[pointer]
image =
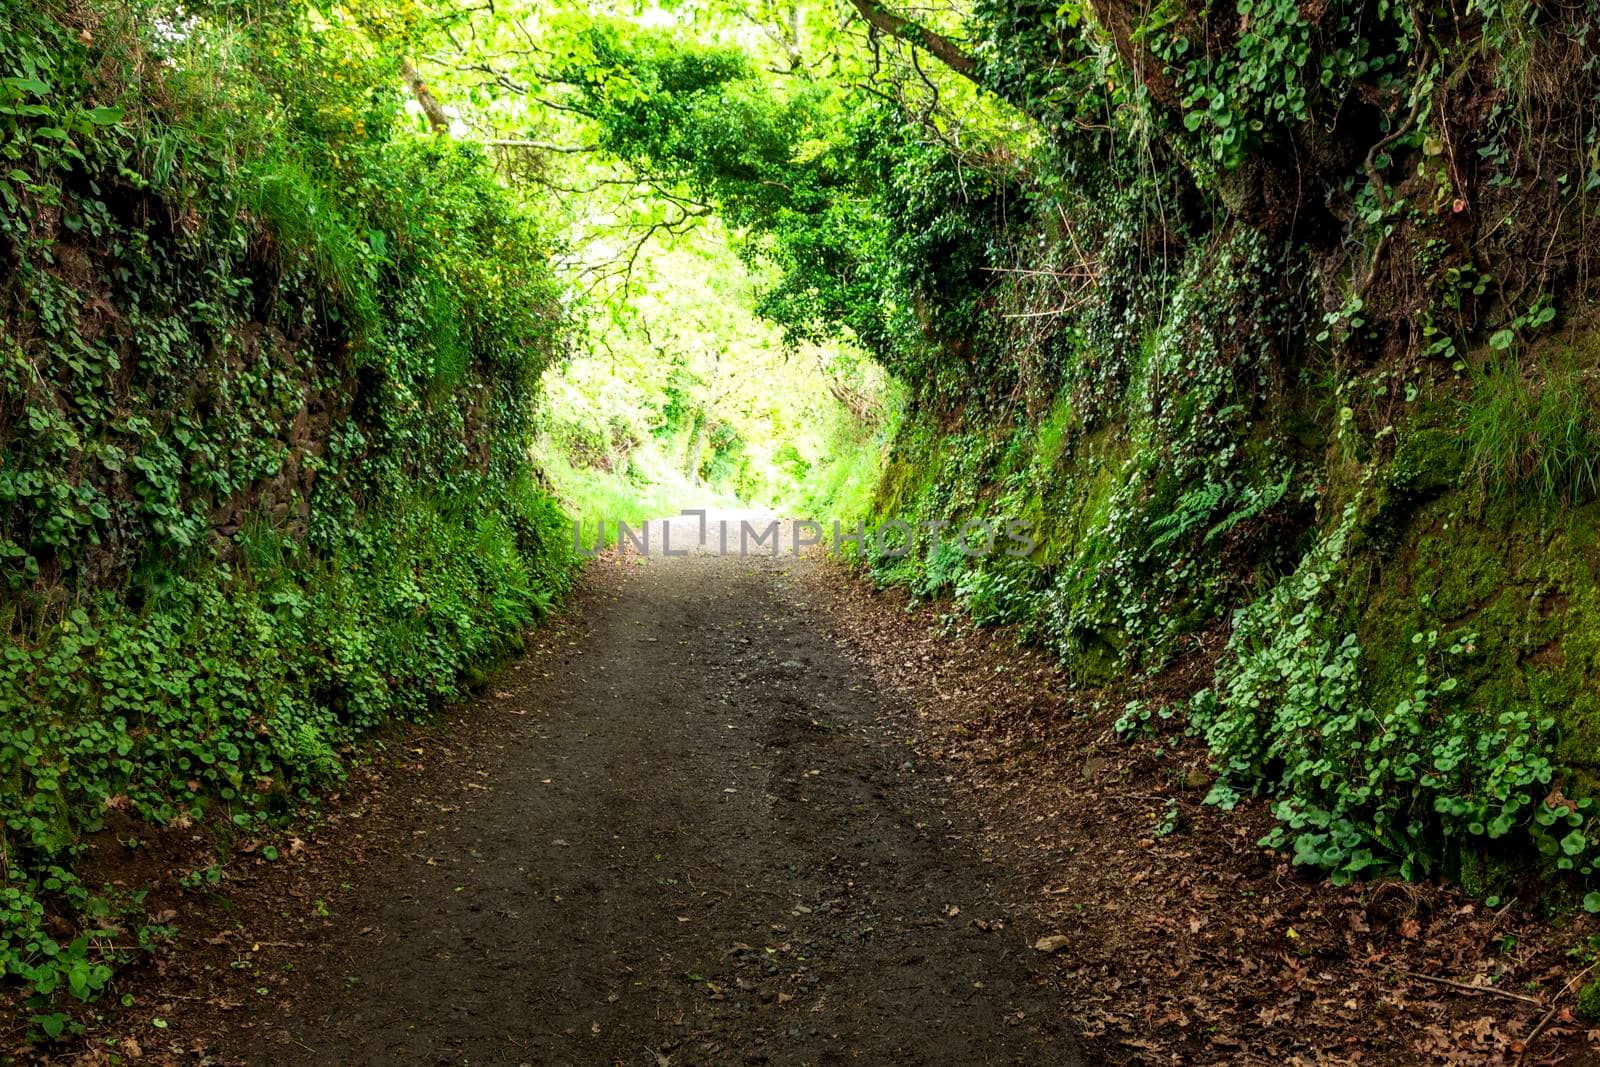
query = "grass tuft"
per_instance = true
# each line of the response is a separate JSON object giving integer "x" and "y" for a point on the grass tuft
{"x": 1535, "y": 435}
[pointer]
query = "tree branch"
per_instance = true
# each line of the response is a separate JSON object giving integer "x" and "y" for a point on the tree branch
{"x": 430, "y": 103}
{"x": 543, "y": 146}
{"x": 865, "y": 409}
{"x": 939, "y": 46}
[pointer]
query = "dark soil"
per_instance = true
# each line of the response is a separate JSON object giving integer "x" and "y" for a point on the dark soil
{"x": 1186, "y": 942}
{"x": 681, "y": 830}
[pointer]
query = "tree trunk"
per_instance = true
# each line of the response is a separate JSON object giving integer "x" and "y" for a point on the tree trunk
{"x": 691, "y": 461}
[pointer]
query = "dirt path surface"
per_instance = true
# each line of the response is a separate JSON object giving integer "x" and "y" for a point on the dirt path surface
{"x": 734, "y": 811}
{"x": 697, "y": 842}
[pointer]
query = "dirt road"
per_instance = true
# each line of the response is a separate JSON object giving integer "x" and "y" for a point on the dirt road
{"x": 731, "y": 811}
{"x": 696, "y": 842}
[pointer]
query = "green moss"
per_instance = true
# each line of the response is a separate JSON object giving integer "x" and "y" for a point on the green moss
{"x": 1051, "y": 437}
{"x": 1589, "y": 1002}
{"x": 1428, "y": 461}
{"x": 1482, "y": 874}
{"x": 1526, "y": 586}
{"x": 898, "y": 483}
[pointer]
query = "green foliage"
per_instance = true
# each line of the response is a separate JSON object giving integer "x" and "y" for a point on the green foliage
{"x": 775, "y": 162}
{"x": 1540, "y": 434}
{"x": 682, "y": 372}
{"x": 844, "y": 480}
{"x": 1367, "y": 789}
{"x": 1153, "y": 567}
{"x": 702, "y": 114}
{"x": 1244, "y": 89}
{"x": 1000, "y": 592}
{"x": 266, "y": 380}
{"x": 243, "y": 690}
{"x": 1138, "y": 719}
{"x": 1166, "y": 522}
{"x": 851, "y": 208}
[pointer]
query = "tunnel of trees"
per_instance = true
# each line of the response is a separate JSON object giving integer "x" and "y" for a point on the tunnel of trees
{"x": 1275, "y": 318}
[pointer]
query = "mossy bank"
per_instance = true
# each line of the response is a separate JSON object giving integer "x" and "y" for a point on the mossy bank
{"x": 1343, "y": 420}
{"x": 267, "y": 372}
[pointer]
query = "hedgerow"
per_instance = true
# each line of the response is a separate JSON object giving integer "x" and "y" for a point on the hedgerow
{"x": 1268, "y": 254}
{"x": 267, "y": 369}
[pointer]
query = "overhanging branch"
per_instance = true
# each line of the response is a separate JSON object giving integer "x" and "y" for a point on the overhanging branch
{"x": 939, "y": 46}
{"x": 437, "y": 119}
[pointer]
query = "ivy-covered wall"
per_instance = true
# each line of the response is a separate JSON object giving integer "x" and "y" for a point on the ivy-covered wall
{"x": 1288, "y": 338}
{"x": 268, "y": 358}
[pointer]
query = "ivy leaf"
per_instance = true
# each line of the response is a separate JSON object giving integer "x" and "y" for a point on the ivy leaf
{"x": 29, "y": 85}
